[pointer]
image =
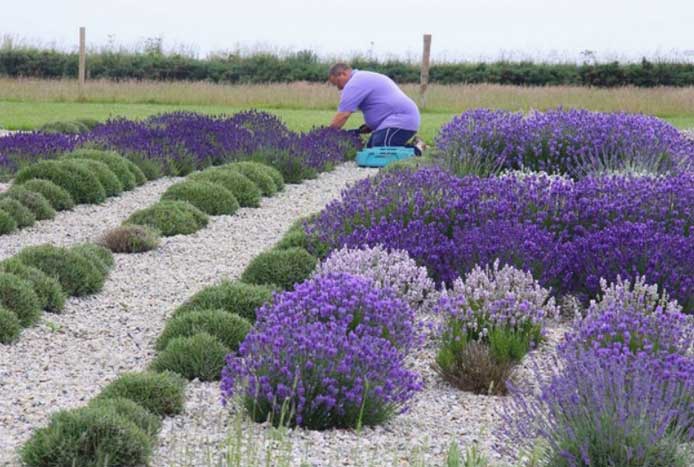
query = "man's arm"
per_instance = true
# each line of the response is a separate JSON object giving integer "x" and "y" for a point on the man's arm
{"x": 340, "y": 119}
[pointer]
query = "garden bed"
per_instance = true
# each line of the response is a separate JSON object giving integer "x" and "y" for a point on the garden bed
{"x": 65, "y": 360}
{"x": 473, "y": 306}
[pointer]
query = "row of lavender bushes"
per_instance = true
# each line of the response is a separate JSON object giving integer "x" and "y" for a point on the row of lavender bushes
{"x": 503, "y": 249}
{"x": 576, "y": 143}
{"x": 180, "y": 142}
{"x": 330, "y": 353}
{"x": 567, "y": 233}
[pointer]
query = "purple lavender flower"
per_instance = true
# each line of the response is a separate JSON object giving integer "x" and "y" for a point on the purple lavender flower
{"x": 606, "y": 406}
{"x": 388, "y": 269}
{"x": 572, "y": 142}
{"x": 638, "y": 318}
{"x": 328, "y": 354}
{"x": 21, "y": 149}
{"x": 567, "y": 234}
{"x": 183, "y": 141}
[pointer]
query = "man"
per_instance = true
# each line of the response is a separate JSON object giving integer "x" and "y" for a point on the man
{"x": 388, "y": 112}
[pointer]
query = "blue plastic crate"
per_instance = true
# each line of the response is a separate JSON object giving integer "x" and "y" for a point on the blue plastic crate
{"x": 383, "y": 155}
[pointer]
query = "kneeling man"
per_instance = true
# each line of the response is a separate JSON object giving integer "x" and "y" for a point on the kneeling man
{"x": 388, "y": 112}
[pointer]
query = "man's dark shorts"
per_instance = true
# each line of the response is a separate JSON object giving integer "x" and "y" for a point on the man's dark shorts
{"x": 392, "y": 137}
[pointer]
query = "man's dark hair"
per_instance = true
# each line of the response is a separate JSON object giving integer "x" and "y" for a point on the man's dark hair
{"x": 338, "y": 68}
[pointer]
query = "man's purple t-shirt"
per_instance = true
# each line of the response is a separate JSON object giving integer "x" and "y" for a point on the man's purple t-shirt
{"x": 381, "y": 101}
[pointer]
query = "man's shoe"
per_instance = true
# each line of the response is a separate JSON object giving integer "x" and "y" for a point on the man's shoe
{"x": 420, "y": 144}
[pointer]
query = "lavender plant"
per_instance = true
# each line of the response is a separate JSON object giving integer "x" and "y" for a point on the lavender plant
{"x": 387, "y": 269}
{"x": 606, "y": 406}
{"x": 177, "y": 143}
{"x": 503, "y": 309}
{"x": 636, "y": 316}
{"x": 621, "y": 393}
{"x": 573, "y": 142}
{"x": 567, "y": 234}
{"x": 328, "y": 354}
{"x": 21, "y": 149}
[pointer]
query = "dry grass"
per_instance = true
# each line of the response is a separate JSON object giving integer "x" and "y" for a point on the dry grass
{"x": 662, "y": 101}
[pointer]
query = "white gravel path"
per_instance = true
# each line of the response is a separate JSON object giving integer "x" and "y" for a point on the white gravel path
{"x": 64, "y": 361}
{"x": 85, "y": 221}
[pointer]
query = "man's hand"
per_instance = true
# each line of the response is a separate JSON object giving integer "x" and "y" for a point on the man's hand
{"x": 340, "y": 119}
{"x": 364, "y": 130}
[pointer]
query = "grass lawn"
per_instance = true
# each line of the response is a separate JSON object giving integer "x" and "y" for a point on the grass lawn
{"x": 30, "y": 115}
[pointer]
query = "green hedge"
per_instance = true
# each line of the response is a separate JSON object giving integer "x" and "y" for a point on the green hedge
{"x": 307, "y": 66}
{"x": 22, "y": 216}
{"x": 231, "y": 296}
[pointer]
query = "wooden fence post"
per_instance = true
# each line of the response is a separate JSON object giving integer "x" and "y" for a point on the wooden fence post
{"x": 83, "y": 63}
{"x": 424, "y": 75}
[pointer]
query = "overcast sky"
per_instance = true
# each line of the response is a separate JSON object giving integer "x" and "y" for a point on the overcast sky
{"x": 461, "y": 29}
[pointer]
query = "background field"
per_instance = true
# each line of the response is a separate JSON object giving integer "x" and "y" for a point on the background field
{"x": 28, "y": 103}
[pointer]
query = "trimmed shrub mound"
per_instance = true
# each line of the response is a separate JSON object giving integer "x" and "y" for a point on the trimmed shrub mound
{"x": 34, "y": 201}
{"x": 67, "y": 127}
{"x": 293, "y": 238}
{"x": 274, "y": 174}
{"x": 171, "y": 218}
{"x": 48, "y": 290}
{"x": 77, "y": 275}
{"x": 10, "y": 327}
{"x": 254, "y": 171}
{"x": 246, "y": 192}
{"x": 120, "y": 166}
{"x": 200, "y": 356}
{"x": 100, "y": 256}
{"x": 7, "y": 223}
{"x": 235, "y": 297}
{"x": 293, "y": 169}
{"x": 21, "y": 214}
{"x": 130, "y": 239}
{"x": 17, "y": 296}
{"x": 90, "y": 123}
{"x": 149, "y": 169}
{"x": 58, "y": 197}
{"x": 82, "y": 185}
{"x": 107, "y": 178}
{"x": 89, "y": 436}
{"x": 283, "y": 268}
{"x": 160, "y": 393}
{"x": 210, "y": 198}
{"x": 229, "y": 328}
{"x": 141, "y": 417}
{"x": 94, "y": 190}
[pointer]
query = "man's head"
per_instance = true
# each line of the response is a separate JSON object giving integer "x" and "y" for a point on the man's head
{"x": 339, "y": 75}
